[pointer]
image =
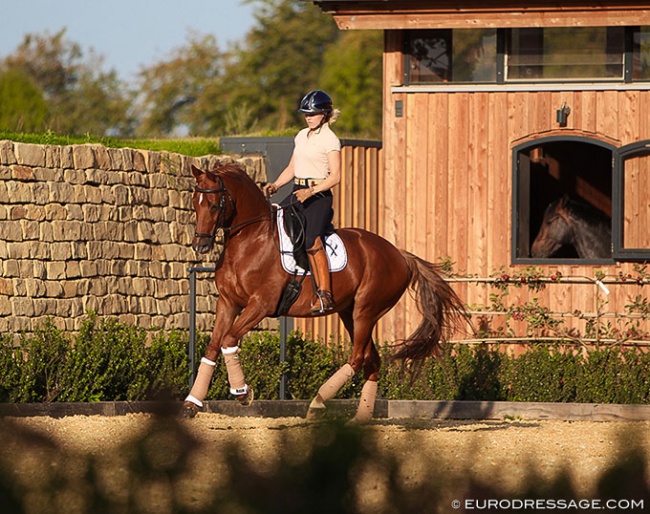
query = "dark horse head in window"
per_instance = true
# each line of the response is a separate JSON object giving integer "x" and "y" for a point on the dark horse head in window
{"x": 568, "y": 222}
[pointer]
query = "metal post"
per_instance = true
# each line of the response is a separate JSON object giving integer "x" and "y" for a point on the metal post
{"x": 192, "y": 346}
{"x": 286, "y": 326}
{"x": 283, "y": 356}
{"x": 193, "y": 270}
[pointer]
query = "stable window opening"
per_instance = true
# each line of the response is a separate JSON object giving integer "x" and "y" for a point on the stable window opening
{"x": 563, "y": 200}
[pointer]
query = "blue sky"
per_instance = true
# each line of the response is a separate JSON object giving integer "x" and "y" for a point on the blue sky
{"x": 129, "y": 34}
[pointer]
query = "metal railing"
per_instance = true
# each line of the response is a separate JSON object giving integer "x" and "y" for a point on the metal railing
{"x": 601, "y": 287}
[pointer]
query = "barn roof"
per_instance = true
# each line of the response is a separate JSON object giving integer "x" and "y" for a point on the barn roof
{"x": 417, "y": 14}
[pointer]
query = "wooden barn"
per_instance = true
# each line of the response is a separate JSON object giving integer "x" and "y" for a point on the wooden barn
{"x": 493, "y": 109}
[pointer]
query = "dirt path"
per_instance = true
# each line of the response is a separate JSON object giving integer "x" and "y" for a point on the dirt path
{"x": 163, "y": 465}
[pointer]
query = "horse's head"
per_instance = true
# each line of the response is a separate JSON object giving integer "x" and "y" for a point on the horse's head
{"x": 556, "y": 230}
{"x": 213, "y": 206}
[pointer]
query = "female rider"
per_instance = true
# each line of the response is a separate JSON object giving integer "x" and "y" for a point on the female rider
{"x": 315, "y": 168}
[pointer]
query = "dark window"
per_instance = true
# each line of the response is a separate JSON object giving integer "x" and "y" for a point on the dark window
{"x": 590, "y": 53}
{"x": 563, "y": 200}
{"x": 487, "y": 56}
{"x": 452, "y": 55}
{"x": 641, "y": 54}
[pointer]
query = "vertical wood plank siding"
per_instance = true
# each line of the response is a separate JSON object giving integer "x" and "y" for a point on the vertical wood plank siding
{"x": 448, "y": 179}
{"x": 442, "y": 186}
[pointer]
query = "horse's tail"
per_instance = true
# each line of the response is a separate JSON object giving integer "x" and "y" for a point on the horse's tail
{"x": 440, "y": 306}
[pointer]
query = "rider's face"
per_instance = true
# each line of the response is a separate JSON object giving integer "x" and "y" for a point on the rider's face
{"x": 314, "y": 120}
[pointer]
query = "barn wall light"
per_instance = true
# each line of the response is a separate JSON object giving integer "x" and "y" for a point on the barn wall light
{"x": 562, "y": 114}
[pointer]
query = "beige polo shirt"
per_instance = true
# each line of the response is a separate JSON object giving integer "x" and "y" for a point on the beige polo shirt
{"x": 310, "y": 153}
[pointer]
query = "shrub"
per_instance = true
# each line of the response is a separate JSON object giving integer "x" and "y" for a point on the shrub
{"x": 108, "y": 360}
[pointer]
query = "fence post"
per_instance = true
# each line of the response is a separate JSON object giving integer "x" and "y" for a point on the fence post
{"x": 193, "y": 270}
{"x": 285, "y": 327}
{"x": 192, "y": 345}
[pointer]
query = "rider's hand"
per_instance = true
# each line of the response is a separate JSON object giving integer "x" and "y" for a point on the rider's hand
{"x": 304, "y": 194}
{"x": 270, "y": 189}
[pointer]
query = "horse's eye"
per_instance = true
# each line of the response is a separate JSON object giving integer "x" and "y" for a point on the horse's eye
{"x": 214, "y": 206}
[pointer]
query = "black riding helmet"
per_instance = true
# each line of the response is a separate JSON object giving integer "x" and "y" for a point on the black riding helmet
{"x": 316, "y": 102}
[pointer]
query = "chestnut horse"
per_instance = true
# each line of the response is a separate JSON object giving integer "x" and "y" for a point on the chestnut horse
{"x": 567, "y": 222}
{"x": 250, "y": 280}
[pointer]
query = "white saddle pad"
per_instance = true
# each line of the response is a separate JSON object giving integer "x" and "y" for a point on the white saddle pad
{"x": 337, "y": 256}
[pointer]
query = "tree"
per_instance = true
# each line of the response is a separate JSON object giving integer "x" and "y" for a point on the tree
{"x": 171, "y": 90}
{"x": 279, "y": 61}
{"x": 22, "y": 105}
{"x": 352, "y": 75}
{"x": 80, "y": 96}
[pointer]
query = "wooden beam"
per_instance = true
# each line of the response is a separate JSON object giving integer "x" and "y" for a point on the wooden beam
{"x": 414, "y": 14}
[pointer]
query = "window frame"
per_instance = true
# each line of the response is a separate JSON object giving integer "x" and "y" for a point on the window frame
{"x": 620, "y": 253}
{"x": 520, "y": 217}
{"x": 501, "y": 65}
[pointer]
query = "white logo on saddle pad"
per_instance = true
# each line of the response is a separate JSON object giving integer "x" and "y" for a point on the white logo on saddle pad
{"x": 337, "y": 256}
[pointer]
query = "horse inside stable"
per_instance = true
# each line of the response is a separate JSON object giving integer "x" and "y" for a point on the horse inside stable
{"x": 567, "y": 222}
{"x": 250, "y": 280}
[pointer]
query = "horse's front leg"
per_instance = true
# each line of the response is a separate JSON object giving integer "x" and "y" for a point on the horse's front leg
{"x": 228, "y": 346}
{"x": 225, "y": 317}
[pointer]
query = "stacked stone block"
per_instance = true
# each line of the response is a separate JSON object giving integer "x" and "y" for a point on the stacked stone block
{"x": 89, "y": 228}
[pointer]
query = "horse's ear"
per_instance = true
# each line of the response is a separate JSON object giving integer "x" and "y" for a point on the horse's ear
{"x": 196, "y": 172}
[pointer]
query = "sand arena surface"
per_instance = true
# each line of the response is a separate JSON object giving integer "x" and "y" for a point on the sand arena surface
{"x": 143, "y": 463}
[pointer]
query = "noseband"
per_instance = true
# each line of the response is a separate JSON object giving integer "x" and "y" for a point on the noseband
{"x": 222, "y": 208}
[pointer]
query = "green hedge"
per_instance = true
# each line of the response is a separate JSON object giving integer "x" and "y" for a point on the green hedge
{"x": 107, "y": 361}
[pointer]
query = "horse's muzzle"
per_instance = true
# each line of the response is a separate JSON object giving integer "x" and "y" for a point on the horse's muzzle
{"x": 203, "y": 244}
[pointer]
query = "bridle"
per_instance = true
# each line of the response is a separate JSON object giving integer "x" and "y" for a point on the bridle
{"x": 223, "y": 199}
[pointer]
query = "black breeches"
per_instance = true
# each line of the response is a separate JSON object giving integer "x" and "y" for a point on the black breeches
{"x": 318, "y": 214}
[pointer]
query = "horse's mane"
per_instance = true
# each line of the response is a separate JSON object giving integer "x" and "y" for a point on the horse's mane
{"x": 583, "y": 211}
{"x": 237, "y": 172}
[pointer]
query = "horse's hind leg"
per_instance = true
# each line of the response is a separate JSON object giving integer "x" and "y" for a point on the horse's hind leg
{"x": 334, "y": 384}
{"x": 371, "y": 366}
{"x": 364, "y": 355}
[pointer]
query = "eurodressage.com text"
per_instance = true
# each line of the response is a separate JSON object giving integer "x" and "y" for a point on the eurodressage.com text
{"x": 470, "y": 504}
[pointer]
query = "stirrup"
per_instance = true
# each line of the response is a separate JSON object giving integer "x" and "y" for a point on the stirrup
{"x": 322, "y": 302}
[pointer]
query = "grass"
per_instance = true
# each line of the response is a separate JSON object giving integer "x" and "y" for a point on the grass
{"x": 194, "y": 146}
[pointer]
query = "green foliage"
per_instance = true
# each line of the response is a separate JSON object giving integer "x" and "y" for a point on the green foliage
{"x": 40, "y": 373}
{"x": 171, "y": 89}
{"x": 81, "y": 97}
{"x": 22, "y": 105}
{"x": 107, "y": 361}
{"x": 200, "y": 89}
{"x": 352, "y": 75}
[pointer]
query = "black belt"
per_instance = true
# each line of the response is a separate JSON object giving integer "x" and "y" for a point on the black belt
{"x": 307, "y": 181}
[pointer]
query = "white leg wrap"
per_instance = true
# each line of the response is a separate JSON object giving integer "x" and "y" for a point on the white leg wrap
{"x": 202, "y": 382}
{"x": 193, "y": 400}
{"x": 235, "y": 373}
{"x": 367, "y": 402}
{"x": 329, "y": 389}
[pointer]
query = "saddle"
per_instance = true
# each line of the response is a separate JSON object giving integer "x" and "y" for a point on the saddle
{"x": 294, "y": 226}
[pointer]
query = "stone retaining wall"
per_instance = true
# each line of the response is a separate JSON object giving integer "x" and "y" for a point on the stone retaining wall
{"x": 89, "y": 228}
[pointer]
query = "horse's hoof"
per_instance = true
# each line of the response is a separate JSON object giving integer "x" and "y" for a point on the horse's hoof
{"x": 189, "y": 410}
{"x": 315, "y": 413}
{"x": 246, "y": 399}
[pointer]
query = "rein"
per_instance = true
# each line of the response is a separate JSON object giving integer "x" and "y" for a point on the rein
{"x": 223, "y": 191}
